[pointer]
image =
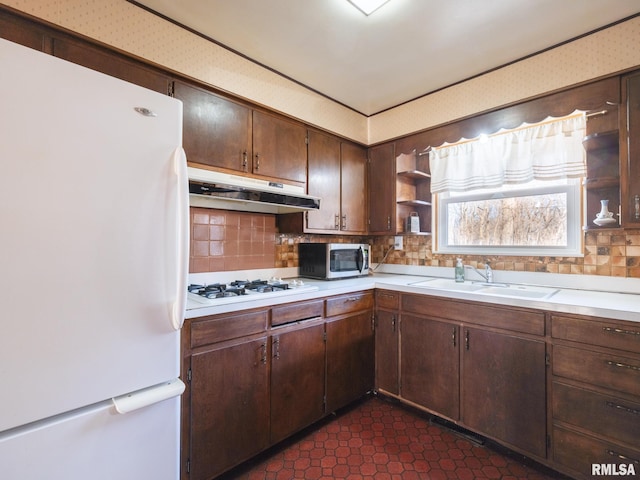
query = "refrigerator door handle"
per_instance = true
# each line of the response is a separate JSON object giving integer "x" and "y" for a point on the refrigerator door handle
{"x": 182, "y": 243}
{"x": 148, "y": 396}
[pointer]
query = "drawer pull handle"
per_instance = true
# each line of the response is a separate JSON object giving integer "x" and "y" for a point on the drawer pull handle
{"x": 622, "y": 457}
{"x": 622, "y": 365}
{"x": 393, "y": 324}
{"x": 619, "y": 330}
{"x": 453, "y": 336}
{"x": 623, "y": 408}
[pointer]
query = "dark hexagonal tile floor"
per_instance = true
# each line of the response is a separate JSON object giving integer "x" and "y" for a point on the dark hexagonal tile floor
{"x": 382, "y": 440}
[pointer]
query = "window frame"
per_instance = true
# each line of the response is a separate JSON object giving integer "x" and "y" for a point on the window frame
{"x": 575, "y": 221}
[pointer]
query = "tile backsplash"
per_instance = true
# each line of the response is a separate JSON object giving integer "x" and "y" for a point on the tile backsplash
{"x": 225, "y": 241}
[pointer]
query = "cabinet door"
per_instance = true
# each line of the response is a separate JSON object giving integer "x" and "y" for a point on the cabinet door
{"x": 216, "y": 131}
{"x": 503, "y": 388}
{"x": 350, "y": 359}
{"x": 111, "y": 63}
{"x": 381, "y": 189}
{"x": 387, "y": 351}
{"x": 229, "y": 407}
{"x": 324, "y": 181}
{"x": 430, "y": 365}
{"x": 279, "y": 148}
{"x": 353, "y": 217}
{"x": 297, "y": 380}
{"x": 631, "y": 171}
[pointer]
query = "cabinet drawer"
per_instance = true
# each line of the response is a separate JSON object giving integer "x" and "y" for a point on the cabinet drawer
{"x": 622, "y": 336}
{"x": 579, "y": 452}
{"x": 387, "y": 299}
{"x": 517, "y": 320}
{"x": 602, "y": 369}
{"x": 293, "y": 312}
{"x": 349, "y": 303}
{"x": 602, "y": 414}
{"x": 226, "y": 327}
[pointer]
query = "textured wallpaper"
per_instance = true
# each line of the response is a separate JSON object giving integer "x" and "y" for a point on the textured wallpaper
{"x": 135, "y": 30}
{"x": 608, "y": 51}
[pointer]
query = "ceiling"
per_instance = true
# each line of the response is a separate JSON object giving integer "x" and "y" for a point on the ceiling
{"x": 406, "y": 49}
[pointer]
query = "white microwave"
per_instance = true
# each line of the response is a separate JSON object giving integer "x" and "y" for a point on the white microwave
{"x": 328, "y": 261}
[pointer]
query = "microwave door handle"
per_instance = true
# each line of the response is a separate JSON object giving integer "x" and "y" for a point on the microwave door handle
{"x": 360, "y": 259}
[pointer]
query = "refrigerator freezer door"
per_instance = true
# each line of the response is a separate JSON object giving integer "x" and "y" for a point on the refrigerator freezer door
{"x": 98, "y": 444}
{"x": 89, "y": 200}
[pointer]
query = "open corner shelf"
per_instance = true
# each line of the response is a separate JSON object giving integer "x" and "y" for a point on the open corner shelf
{"x": 414, "y": 175}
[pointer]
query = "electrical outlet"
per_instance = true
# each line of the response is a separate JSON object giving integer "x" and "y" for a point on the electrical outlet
{"x": 397, "y": 243}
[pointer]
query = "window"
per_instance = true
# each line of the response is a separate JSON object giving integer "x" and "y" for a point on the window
{"x": 517, "y": 192}
{"x": 537, "y": 218}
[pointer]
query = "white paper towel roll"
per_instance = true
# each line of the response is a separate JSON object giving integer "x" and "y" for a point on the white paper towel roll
{"x": 148, "y": 396}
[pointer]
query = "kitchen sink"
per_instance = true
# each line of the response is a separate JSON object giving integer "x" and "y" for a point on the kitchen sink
{"x": 497, "y": 289}
{"x": 448, "y": 284}
{"x": 521, "y": 291}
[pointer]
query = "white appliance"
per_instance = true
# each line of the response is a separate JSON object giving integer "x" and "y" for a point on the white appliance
{"x": 93, "y": 256}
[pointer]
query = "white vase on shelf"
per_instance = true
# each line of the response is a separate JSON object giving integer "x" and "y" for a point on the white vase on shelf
{"x": 604, "y": 217}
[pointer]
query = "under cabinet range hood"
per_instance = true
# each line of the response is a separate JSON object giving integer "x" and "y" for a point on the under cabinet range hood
{"x": 211, "y": 189}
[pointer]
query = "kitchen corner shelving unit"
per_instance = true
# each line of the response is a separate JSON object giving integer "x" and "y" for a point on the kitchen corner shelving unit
{"x": 602, "y": 145}
{"x": 413, "y": 191}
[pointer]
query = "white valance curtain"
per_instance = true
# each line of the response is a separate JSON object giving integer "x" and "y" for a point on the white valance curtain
{"x": 548, "y": 150}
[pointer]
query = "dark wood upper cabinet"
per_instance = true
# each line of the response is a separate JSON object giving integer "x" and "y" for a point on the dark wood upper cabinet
{"x": 224, "y": 134}
{"x": 353, "y": 189}
{"x": 279, "y": 148}
{"x": 382, "y": 181}
{"x": 630, "y": 165}
{"x": 337, "y": 174}
{"x": 324, "y": 181}
{"x": 216, "y": 131}
{"x": 110, "y": 63}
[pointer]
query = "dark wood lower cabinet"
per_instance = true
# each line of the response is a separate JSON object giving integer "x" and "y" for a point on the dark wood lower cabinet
{"x": 297, "y": 379}
{"x": 430, "y": 368}
{"x": 387, "y": 352}
{"x": 229, "y": 407}
{"x": 350, "y": 358}
{"x": 503, "y": 388}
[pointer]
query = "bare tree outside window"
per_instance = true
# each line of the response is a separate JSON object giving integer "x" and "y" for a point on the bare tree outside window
{"x": 539, "y": 220}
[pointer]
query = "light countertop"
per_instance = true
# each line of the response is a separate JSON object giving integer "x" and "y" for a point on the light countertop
{"x": 566, "y": 299}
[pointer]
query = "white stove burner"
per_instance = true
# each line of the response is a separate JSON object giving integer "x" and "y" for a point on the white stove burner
{"x": 296, "y": 287}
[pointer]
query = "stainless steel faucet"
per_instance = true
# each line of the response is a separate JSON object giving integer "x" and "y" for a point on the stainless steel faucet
{"x": 488, "y": 273}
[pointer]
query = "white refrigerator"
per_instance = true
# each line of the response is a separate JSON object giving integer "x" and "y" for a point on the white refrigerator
{"x": 93, "y": 269}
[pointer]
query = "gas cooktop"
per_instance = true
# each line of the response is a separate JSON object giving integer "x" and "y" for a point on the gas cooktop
{"x": 200, "y": 296}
